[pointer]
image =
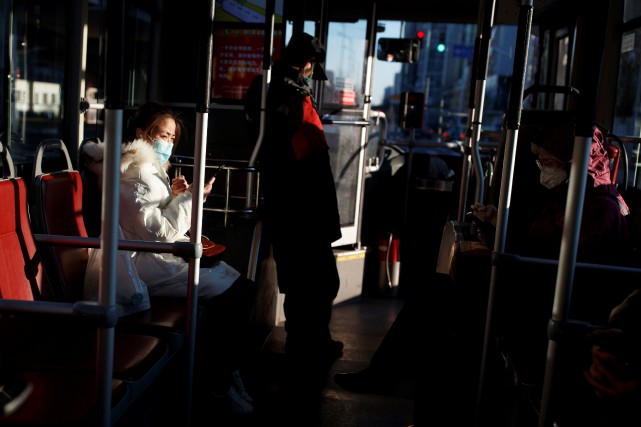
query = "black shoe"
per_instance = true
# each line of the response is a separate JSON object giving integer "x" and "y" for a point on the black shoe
{"x": 365, "y": 381}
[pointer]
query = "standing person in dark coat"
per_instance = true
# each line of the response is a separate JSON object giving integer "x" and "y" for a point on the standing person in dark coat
{"x": 300, "y": 205}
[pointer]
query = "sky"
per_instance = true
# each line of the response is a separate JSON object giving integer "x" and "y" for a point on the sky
{"x": 384, "y": 72}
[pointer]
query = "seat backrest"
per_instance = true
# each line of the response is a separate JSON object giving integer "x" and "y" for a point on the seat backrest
{"x": 92, "y": 191}
{"x": 56, "y": 208}
{"x": 22, "y": 274}
{"x": 8, "y": 169}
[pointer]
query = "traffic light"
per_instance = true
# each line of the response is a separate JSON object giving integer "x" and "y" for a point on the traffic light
{"x": 420, "y": 35}
{"x": 440, "y": 46}
{"x": 398, "y": 50}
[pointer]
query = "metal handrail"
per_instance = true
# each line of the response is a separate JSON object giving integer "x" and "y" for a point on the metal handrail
{"x": 231, "y": 168}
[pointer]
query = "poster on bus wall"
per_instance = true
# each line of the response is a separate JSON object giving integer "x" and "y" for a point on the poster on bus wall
{"x": 344, "y": 92}
{"x": 237, "y": 59}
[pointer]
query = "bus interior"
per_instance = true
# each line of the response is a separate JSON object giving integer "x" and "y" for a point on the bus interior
{"x": 429, "y": 108}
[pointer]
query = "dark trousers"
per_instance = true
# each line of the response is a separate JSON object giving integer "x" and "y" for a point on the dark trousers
{"x": 226, "y": 336}
{"x": 308, "y": 276}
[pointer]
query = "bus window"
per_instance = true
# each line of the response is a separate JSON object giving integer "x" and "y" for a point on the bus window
{"x": 627, "y": 119}
{"x": 345, "y": 65}
{"x": 440, "y": 70}
{"x": 37, "y": 65}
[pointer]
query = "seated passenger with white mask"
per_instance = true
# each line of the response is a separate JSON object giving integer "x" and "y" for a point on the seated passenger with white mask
{"x": 155, "y": 208}
{"x": 604, "y": 236}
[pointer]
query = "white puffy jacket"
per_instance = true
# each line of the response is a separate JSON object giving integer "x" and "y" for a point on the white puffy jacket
{"x": 148, "y": 211}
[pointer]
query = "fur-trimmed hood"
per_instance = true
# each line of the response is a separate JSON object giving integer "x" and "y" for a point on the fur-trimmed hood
{"x": 134, "y": 154}
{"x": 138, "y": 152}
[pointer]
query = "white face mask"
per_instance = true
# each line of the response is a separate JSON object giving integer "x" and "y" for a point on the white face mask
{"x": 552, "y": 177}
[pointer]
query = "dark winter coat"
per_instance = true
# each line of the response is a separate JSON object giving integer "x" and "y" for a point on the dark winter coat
{"x": 299, "y": 188}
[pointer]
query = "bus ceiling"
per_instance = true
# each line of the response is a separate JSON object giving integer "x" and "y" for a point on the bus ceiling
{"x": 450, "y": 11}
{"x": 463, "y": 11}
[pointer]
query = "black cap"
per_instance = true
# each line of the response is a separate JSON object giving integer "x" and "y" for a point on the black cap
{"x": 302, "y": 48}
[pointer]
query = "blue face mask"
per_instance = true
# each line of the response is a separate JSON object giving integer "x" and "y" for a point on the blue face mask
{"x": 163, "y": 149}
{"x": 308, "y": 80}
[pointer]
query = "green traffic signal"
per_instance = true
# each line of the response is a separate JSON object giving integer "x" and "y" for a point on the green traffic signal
{"x": 440, "y": 47}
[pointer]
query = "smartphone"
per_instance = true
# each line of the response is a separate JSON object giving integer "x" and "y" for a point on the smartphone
{"x": 217, "y": 171}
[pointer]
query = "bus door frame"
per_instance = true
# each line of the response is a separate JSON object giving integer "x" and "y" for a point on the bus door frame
{"x": 351, "y": 233}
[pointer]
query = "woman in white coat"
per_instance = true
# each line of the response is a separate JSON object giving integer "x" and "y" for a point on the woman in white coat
{"x": 153, "y": 208}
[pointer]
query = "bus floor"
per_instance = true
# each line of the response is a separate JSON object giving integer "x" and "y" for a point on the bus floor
{"x": 360, "y": 324}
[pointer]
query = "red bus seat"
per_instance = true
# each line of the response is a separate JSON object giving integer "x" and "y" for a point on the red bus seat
{"x": 57, "y": 344}
{"x": 63, "y": 399}
{"x": 57, "y": 208}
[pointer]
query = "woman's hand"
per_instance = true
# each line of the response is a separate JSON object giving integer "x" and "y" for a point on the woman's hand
{"x": 179, "y": 185}
{"x": 208, "y": 187}
{"x": 486, "y": 212}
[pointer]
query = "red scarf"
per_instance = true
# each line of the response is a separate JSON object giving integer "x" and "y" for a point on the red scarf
{"x": 309, "y": 137}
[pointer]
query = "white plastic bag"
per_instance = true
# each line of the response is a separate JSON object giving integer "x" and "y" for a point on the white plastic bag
{"x": 132, "y": 295}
